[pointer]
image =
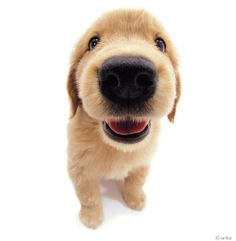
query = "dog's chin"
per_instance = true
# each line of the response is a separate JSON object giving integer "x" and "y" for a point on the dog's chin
{"x": 126, "y": 134}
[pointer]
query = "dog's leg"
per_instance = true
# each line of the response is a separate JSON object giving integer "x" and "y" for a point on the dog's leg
{"x": 88, "y": 191}
{"x": 133, "y": 193}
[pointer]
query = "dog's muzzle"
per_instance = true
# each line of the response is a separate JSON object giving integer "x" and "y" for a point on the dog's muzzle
{"x": 127, "y": 82}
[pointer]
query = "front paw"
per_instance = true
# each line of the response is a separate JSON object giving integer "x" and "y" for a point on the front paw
{"x": 135, "y": 200}
{"x": 92, "y": 217}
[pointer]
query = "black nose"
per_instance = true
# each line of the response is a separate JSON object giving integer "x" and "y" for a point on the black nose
{"x": 127, "y": 79}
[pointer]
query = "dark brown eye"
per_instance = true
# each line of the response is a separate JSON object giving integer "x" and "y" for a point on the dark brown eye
{"x": 93, "y": 42}
{"x": 160, "y": 43}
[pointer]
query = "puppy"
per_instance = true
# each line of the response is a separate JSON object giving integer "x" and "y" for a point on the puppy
{"x": 122, "y": 80}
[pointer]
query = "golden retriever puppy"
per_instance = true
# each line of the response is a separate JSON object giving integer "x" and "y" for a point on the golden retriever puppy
{"x": 122, "y": 80}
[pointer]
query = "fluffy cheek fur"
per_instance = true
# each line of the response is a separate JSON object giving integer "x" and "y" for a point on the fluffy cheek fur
{"x": 93, "y": 102}
{"x": 89, "y": 91}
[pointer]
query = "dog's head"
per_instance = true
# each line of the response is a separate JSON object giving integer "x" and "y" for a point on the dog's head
{"x": 124, "y": 75}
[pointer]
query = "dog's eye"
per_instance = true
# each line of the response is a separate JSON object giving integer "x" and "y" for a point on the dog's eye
{"x": 160, "y": 43}
{"x": 93, "y": 42}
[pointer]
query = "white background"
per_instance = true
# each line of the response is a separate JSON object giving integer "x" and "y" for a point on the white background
{"x": 191, "y": 187}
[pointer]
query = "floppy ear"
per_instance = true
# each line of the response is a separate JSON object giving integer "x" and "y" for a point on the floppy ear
{"x": 72, "y": 90}
{"x": 171, "y": 115}
{"x": 72, "y": 86}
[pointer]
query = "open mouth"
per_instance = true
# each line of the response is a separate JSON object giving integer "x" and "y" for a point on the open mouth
{"x": 128, "y": 131}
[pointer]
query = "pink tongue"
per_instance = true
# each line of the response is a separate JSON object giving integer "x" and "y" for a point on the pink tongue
{"x": 127, "y": 127}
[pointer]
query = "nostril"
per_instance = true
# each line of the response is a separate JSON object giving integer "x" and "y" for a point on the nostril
{"x": 112, "y": 80}
{"x": 144, "y": 80}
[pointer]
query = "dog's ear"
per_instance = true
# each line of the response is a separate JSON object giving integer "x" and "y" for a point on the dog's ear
{"x": 171, "y": 115}
{"x": 72, "y": 90}
{"x": 72, "y": 85}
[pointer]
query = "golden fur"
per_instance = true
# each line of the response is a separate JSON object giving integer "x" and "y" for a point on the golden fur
{"x": 91, "y": 154}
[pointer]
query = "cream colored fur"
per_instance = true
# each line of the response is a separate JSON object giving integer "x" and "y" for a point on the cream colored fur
{"x": 92, "y": 155}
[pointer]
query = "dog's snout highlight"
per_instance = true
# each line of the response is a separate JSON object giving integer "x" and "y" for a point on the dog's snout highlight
{"x": 127, "y": 79}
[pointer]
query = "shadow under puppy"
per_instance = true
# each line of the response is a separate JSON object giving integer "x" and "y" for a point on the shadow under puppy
{"x": 123, "y": 79}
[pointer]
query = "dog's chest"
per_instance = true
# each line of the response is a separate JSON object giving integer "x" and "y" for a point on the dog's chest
{"x": 116, "y": 165}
